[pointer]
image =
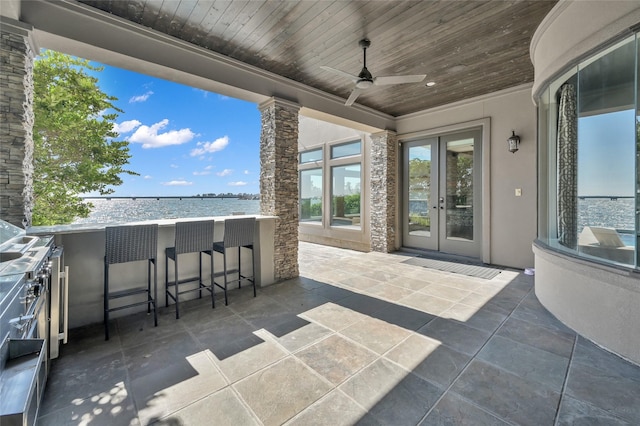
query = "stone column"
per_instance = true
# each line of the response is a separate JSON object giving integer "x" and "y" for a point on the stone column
{"x": 384, "y": 189}
{"x": 17, "y": 51}
{"x": 279, "y": 181}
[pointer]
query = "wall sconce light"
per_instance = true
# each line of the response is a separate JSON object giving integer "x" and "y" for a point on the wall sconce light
{"x": 514, "y": 142}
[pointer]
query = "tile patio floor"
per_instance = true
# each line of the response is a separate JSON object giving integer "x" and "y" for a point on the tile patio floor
{"x": 358, "y": 338}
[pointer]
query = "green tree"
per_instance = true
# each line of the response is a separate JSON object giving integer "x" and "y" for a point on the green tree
{"x": 74, "y": 152}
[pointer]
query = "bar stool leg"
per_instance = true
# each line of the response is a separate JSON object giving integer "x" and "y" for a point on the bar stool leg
{"x": 166, "y": 279}
{"x": 212, "y": 286}
{"x": 106, "y": 300}
{"x": 253, "y": 271}
{"x": 200, "y": 275}
{"x": 155, "y": 292}
{"x": 175, "y": 265}
{"x": 224, "y": 255}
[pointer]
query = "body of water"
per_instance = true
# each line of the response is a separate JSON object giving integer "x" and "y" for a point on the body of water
{"x": 130, "y": 210}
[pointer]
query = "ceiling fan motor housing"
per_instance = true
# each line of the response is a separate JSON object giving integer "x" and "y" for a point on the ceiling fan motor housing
{"x": 365, "y": 79}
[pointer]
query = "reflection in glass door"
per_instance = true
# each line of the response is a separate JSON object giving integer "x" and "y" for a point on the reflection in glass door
{"x": 420, "y": 219}
{"x": 442, "y": 193}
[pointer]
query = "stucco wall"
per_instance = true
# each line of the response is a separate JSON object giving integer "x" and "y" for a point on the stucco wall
{"x": 598, "y": 302}
{"x": 512, "y": 219}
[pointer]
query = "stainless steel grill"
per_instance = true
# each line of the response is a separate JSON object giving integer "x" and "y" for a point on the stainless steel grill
{"x": 26, "y": 269}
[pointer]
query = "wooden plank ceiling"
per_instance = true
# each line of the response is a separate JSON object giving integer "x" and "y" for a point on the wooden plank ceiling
{"x": 468, "y": 48}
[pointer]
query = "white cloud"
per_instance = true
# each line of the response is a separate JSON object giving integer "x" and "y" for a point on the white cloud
{"x": 211, "y": 147}
{"x": 177, "y": 183}
{"x": 140, "y": 98}
{"x": 125, "y": 126}
{"x": 148, "y": 177}
{"x": 225, "y": 172}
{"x": 173, "y": 166}
{"x": 150, "y": 138}
{"x": 238, "y": 183}
{"x": 246, "y": 172}
{"x": 223, "y": 98}
{"x": 209, "y": 167}
{"x": 204, "y": 173}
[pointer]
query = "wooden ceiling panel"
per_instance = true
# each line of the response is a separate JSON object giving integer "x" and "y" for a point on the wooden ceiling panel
{"x": 469, "y": 48}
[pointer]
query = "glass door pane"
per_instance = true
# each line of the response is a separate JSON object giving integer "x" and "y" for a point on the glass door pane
{"x": 459, "y": 189}
{"x": 420, "y": 193}
{"x": 460, "y": 205}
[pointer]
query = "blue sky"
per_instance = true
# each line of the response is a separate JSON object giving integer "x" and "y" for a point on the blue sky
{"x": 606, "y": 154}
{"x": 183, "y": 140}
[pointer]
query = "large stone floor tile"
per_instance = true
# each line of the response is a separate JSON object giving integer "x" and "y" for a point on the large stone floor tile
{"x": 554, "y": 341}
{"x": 414, "y": 282}
{"x": 587, "y": 353}
{"x": 573, "y": 412}
{"x": 531, "y": 310}
{"x": 250, "y": 360}
{"x": 445, "y": 292}
{"x": 427, "y": 303}
{"x": 333, "y": 316}
{"x": 429, "y": 360}
{"x": 526, "y": 361}
{"x": 175, "y": 386}
{"x": 110, "y": 408}
{"x": 69, "y": 383}
{"x": 139, "y": 328}
{"x": 510, "y": 397}
{"x": 377, "y": 335}
{"x": 481, "y": 318}
{"x": 456, "y": 335}
{"x": 303, "y": 336}
{"x": 389, "y": 292}
{"x": 454, "y": 410}
{"x": 404, "y": 316}
{"x": 606, "y": 390}
{"x": 221, "y": 408}
{"x": 335, "y": 409}
{"x": 281, "y": 391}
{"x": 392, "y": 395}
{"x": 151, "y": 357}
{"x": 335, "y": 358}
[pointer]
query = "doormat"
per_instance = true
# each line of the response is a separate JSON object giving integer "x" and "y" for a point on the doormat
{"x": 457, "y": 267}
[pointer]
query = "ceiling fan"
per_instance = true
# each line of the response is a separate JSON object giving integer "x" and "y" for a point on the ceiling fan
{"x": 365, "y": 80}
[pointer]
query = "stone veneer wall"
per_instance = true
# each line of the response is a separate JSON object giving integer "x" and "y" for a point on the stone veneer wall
{"x": 384, "y": 157}
{"x": 16, "y": 122}
{"x": 279, "y": 181}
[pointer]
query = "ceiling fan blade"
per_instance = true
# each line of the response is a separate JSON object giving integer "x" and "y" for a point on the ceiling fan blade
{"x": 353, "y": 96}
{"x": 398, "y": 79}
{"x": 341, "y": 73}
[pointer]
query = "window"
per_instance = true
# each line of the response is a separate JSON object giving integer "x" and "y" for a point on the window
{"x": 345, "y": 195}
{"x": 331, "y": 187}
{"x": 311, "y": 156}
{"x": 345, "y": 149}
{"x": 588, "y": 158}
{"x": 311, "y": 195}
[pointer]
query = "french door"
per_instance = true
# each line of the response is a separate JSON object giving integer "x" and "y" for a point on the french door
{"x": 442, "y": 193}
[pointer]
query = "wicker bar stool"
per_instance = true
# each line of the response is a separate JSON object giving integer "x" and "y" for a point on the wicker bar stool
{"x": 130, "y": 244}
{"x": 191, "y": 237}
{"x": 237, "y": 233}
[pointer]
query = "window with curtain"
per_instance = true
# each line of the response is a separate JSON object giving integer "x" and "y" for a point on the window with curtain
{"x": 588, "y": 157}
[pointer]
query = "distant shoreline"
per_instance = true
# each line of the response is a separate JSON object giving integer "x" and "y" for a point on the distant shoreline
{"x": 180, "y": 197}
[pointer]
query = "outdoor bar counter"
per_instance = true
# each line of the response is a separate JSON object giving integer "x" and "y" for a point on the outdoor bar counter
{"x": 84, "y": 250}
